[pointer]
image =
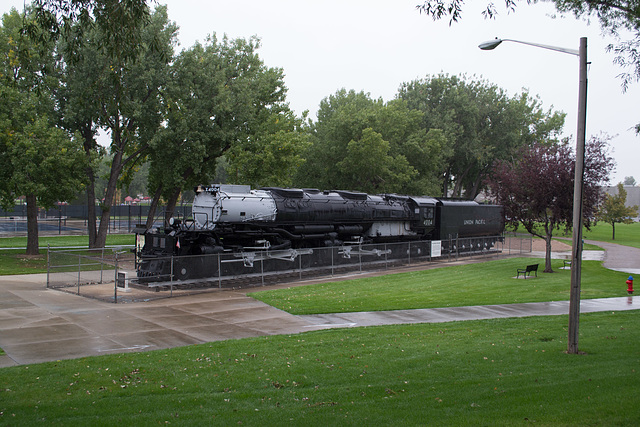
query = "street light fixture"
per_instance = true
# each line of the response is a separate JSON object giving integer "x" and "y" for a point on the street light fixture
{"x": 576, "y": 252}
{"x": 492, "y": 44}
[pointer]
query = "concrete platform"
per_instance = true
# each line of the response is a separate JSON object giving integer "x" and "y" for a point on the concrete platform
{"x": 39, "y": 324}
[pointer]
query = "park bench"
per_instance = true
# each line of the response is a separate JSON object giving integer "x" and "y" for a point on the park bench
{"x": 533, "y": 268}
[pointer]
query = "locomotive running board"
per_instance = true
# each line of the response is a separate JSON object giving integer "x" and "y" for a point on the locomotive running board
{"x": 248, "y": 258}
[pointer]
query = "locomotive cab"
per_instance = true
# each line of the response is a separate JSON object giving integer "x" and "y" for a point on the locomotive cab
{"x": 424, "y": 221}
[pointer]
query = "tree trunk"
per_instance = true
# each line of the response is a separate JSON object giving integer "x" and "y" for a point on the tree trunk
{"x": 89, "y": 144}
{"x": 91, "y": 208}
{"x": 547, "y": 256}
{"x": 153, "y": 207}
{"x": 473, "y": 192}
{"x": 457, "y": 190}
{"x": 112, "y": 186}
{"x": 32, "y": 225}
{"x": 613, "y": 236}
{"x": 171, "y": 205}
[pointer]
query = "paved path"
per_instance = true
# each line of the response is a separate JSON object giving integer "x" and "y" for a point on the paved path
{"x": 450, "y": 314}
{"x": 38, "y": 324}
{"x": 620, "y": 258}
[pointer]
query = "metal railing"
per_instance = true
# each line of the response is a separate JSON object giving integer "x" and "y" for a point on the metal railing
{"x": 80, "y": 268}
{"x": 75, "y": 268}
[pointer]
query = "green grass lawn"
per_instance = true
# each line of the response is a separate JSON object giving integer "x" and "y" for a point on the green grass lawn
{"x": 626, "y": 234}
{"x": 14, "y": 261}
{"x": 56, "y": 241}
{"x": 499, "y": 372}
{"x": 491, "y": 282}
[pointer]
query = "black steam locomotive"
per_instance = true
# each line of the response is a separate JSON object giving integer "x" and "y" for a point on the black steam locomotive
{"x": 234, "y": 218}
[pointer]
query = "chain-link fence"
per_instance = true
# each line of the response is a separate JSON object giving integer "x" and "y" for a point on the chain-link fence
{"x": 111, "y": 274}
{"x": 258, "y": 267}
{"x": 76, "y": 268}
{"x": 517, "y": 243}
{"x": 72, "y": 219}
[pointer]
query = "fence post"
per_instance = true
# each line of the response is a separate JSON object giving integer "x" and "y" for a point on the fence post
{"x": 219, "y": 273}
{"x": 101, "y": 264}
{"x": 386, "y": 258}
{"x": 331, "y": 249}
{"x": 171, "y": 276}
{"x": 115, "y": 282}
{"x": 520, "y": 240}
{"x": 79, "y": 269}
{"x": 48, "y": 262}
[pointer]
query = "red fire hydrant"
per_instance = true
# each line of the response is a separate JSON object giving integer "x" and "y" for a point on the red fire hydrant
{"x": 630, "y": 285}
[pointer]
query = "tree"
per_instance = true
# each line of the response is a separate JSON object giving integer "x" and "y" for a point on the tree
{"x": 536, "y": 188}
{"x": 363, "y": 144}
{"x": 616, "y": 17}
{"x": 115, "y": 53}
{"x": 38, "y": 160}
{"x": 613, "y": 209}
{"x": 629, "y": 180}
{"x": 80, "y": 113}
{"x": 113, "y": 82}
{"x": 119, "y": 22}
{"x": 220, "y": 100}
{"x": 47, "y": 168}
{"x": 368, "y": 166}
{"x": 270, "y": 157}
{"x": 480, "y": 123}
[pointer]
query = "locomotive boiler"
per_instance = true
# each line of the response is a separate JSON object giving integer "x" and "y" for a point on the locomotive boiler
{"x": 234, "y": 218}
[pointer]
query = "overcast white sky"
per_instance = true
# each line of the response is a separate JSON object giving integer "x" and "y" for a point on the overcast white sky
{"x": 375, "y": 45}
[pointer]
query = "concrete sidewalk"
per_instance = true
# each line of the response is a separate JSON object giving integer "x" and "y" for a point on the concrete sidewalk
{"x": 39, "y": 324}
{"x": 620, "y": 258}
{"x": 450, "y": 314}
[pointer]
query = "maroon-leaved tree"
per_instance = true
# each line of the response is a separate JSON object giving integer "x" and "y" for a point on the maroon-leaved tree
{"x": 536, "y": 187}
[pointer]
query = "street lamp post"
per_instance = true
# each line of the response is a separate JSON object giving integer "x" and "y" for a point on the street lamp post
{"x": 576, "y": 252}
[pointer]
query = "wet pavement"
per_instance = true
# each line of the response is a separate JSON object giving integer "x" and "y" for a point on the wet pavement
{"x": 39, "y": 324}
{"x": 450, "y": 314}
{"x": 620, "y": 258}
